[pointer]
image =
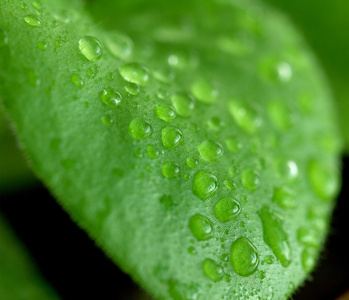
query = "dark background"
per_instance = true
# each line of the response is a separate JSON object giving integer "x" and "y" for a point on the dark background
{"x": 77, "y": 269}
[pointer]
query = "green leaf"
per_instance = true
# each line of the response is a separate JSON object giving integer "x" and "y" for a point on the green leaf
{"x": 142, "y": 128}
{"x": 19, "y": 279}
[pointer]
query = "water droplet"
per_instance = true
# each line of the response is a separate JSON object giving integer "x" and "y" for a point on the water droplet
{"x": 235, "y": 46}
{"x": 280, "y": 115}
{"x": 275, "y": 236}
{"x": 269, "y": 259}
{"x": 68, "y": 164}
{"x": 201, "y": 227}
{"x": 132, "y": 88}
{"x": 33, "y": 20}
{"x": 230, "y": 184}
{"x": 165, "y": 113}
{"x": 91, "y": 48}
{"x": 309, "y": 237}
{"x": 33, "y": 78}
{"x": 250, "y": 179}
{"x": 110, "y": 76}
{"x": 215, "y": 123}
{"x": 110, "y": 97}
{"x": 167, "y": 202}
{"x": 77, "y": 80}
{"x": 3, "y": 38}
{"x": 244, "y": 257}
{"x": 192, "y": 162}
{"x": 92, "y": 71}
{"x": 164, "y": 75}
{"x": 204, "y": 92}
{"x": 135, "y": 73}
{"x": 182, "y": 60}
{"x": 107, "y": 120}
{"x": 227, "y": 209}
{"x": 62, "y": 15}
{"x": 119, "y": 45}
{"x": 210, "y": 151}
{"x": 233, "y": 145}
{"x": 273, "y": 70}
{"x": 140, "y": 129}
{"x": 233, "y": 171}
{"x": 225, "y": 257}
{"x": 245, "y": 115}
{"x": 323, "y": 179}
{"x": 284, "y": 71}
{"x": 287, "y": 169}
{"x": 192, "y": 250}
{"x": 153, "y": 152}
{"x": 205, "y": 184}
{"x": 309, "y": 259}
{"x": 171, "y": 137}
{"x": 183, "y": 103}
{"x": 42, "y": 45}
{"x": 170, "y": 170}
{"x": 213, "y": 270}
{"x": 261, "y": 274}
{"x": 284, "y": 197}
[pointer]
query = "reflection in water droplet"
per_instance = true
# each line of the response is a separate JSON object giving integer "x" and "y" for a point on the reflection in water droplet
{"x": 110, "y": 97}
{"x": 201, "y": 227}
{"x": 204, "y": 92}
{"x": 205, "y": 184}
{"x": 77, "y": 80}
{"x": 227, "y": 209}
{"x": 250, "y": 179}
{"x": 171, "y": 137}
{"x": 170, "y": 170}
{"x": 165, "y": 113}
{"x": 132, "y": 88}
{"x": 210, "y": 151}
{"x": 244, "y": 257}
{"x": 139, "y": 129}
{"x": 213, "y": 270}
{"x": 33, "y": 20}
{"x": 230, "y": 184}
{"x": 135, "y": 73}
{"x": 91, "y": 48}
{"x": 184, "y": 104}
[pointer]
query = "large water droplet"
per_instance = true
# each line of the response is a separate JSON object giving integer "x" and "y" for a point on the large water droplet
{"x": 250, "y": 179}
{"x": 183, "y": 103}
{"x": 91, "y": 48}
{"x": 244, "y": 257}
{"x": 204, "y": 92}
{"x": 275, "y": 236}
{"x": 170, "y": 170}
{"x": 165, "y": 113}
{"x": 77, "y": 80}
{"x": 210, "y": 151}
{"x": 323, "y": 179}
{"x": 284, "y": 197}
{"x": 246, "y": 116}
{"x": 171, "y": 137}
{"x": 110, "y": 97}
{"x": 201, "y": 227}
{"x": 205, "y": 184}
{"x": 3, "y": 38}
{"x": 119, "y": 45}
{"x": 213, "y": 270}
{"x": 33, "y": 20}
{"x": 140, "y": 129}
{"x": 227, "y": 209}
{"x": 135, "y": 73}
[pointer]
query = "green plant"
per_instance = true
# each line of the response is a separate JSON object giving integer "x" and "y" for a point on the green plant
{"x": 171, "y": 135}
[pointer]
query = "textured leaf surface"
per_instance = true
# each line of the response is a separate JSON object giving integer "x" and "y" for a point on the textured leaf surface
{"x": 19, "y": 279}
{"x": 195, "y": 141}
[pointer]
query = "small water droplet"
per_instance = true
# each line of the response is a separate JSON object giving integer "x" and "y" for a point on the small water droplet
{"x": 215, "y": 123}
{"x": 42, "y": 45}
{"x": 132, "y": 88}
{"x": 205, "y": 185}
{"x": 164, "y": 75}
{"x": 192, "y": 250}
{"x": 201, "y": 227}
{"x": 3, "y": 38}
{"x": 183, "y": 103}
{"x": 309, "y": 259}
{"x": 210, "y": 151}
{"x": 167, "y": 202}
{"x": 233, "y": 145}
{"x": 62, "y": 15}
{"x": 250, "y": 179}
{"x": 153, "y": 152}
{"x": 227, "y": 209}
{"x": 77, "y": 80}
{"x": 92, "y": 71}
{"x": 182, "y": 60}
{"x": 233, "y": 171}
{"x": 91, "y": 48}
{"x": 284, "y": 197}
{"x": 33, "y": 78}
{"x": 235, "y": 46}
{"x": 68, "y": 164}
{"x": 287, "y": 169}
{"x": 230, "y": 184}
{"x": 205, "y": 92}
{"x": 119, "y": 45}
{"x": 192, "y": 162}
{"x": 171, "y": 137}
{"x": 170, "y": 170}
{"x": 110, "y": 76}
{"x": 110, "y": 97}
{"x": 323, "y": 179}
{"x": 275, "y": 236}
{"x": 245, "y": 115}
{"x": 134, "y": 73}
{"x": 309, "y": 237}
{"x": 140, "y": 129}
{"x": 279, "y": 115}
{"x": 269, "y": 259}
{"x": 165, "y": 113}
{"x": 33, "y": 20}
{"x": 107, "y": 120}
{"x": 213, "y": 270}
{"x": 244, "y": 257}
{"x": 284, "y": 71}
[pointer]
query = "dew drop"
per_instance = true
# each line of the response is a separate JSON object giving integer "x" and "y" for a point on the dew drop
{"x": 323, "y": 179}
{"x": 107, "y": 120}
{"x": 261, "y": 274}
{"x": 192, "y": 250}
{"x": 77, "y": 80}
{"x": 234, "y": 46}
{"x": 164, "y": 75}
{"x": 210, "y": 151}
{"x": 119, "y": 45}
{"x": 170, "y": 170}
{"x": 134, "y": 73}
{"x": 192, "y": 162}
{"x": 279, "y": 115}
{"x": 3, "y": 38}
{"x": 62, "y": 15}
{"x": 33, "y": 78}
{"x": 246, "y": 116}
{"x": 244, "y": 257}
{"x": 139, "y": 129}
{"x": 269, "y": 259}
{"x": 205, "y": 185}
{"x": 230, "y": 184}
{"x": 233, "y": 145}
{"x": 284, "y": 71}
{"x": 284, "y": 197}
{"x": 91, "y": 48}
{"x": 215, "y": 123}
{"x": 309, "y": 237}
{"x": 250, "y": 179}
{"x": 132, "y": 88}
{"x": 213, "y": 270}
{"x": 92, "y": 71}
{"x": 233, "y": 171}
{"x": 153, "y": 152}
{"x": 165, "y": 113}
{"x": 204, "y": 92}
{"x": 167, "y": 202}
{"x": 309, "y": 259}
{"x": 183, "y": 103}
{"x": 275, "y": 236}
{"x": 110, "y": 97}
{"x": 201, "y": 227}
{"x": 33, "y": 20}
{"x": 171, "y": 137}
{"x": 227, "y": 209}
{"x": 287, "y": 169}
{"x": 42, "y": 45}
